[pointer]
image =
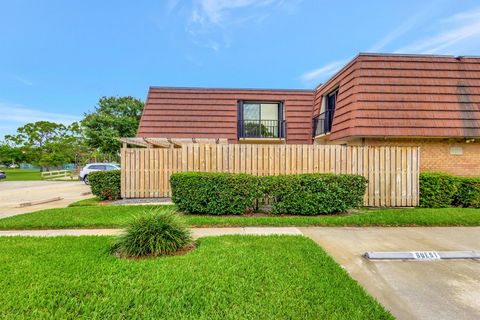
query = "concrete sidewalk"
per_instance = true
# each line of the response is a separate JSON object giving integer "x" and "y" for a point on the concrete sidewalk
{"x": 196, "y": 232}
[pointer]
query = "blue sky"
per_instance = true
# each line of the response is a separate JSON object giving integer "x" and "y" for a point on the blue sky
{"x": 58, "y": 57}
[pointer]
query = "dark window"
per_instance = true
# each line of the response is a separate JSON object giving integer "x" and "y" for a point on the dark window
{"x": 97, "y": 167}
{"x": 323, "y": 122}
{"x": 260, "y": 119}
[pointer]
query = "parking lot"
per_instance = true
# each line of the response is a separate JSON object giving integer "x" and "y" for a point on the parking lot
{"x": 13, "y": 193}
{"x": 440, "y": 289}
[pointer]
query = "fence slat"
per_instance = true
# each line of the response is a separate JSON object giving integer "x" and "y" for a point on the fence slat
{"x": 123, "y": 175}
{"x": 382, "y": 181}
{"x": 392, "y": 152}
{"x": 387, "y": 177}
{"x": 409, "y": 177}
{"x": 392, "y": 172}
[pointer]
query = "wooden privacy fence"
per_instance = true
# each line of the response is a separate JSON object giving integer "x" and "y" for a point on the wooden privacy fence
{"x": 392, "y": 172}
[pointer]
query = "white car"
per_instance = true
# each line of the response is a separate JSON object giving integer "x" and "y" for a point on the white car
{"x": 96, "y": 167}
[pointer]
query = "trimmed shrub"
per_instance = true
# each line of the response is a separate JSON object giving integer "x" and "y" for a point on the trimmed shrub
{"x": 153, "y": 233}
{"x": 468, "y": 194}
{"x": 214, "y": 193}
{"x": 312, "y": 194}
{"x": 437, "y": 190}
{"x": 227, "y": 193}
{"x": 105, "y": 185}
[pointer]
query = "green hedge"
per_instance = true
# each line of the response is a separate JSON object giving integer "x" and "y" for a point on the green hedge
{"x": 214, "y": 193}
{"x": 312, "y": 194}
{"x": 306, "y": 194}
{"x": 437, "y": 190}
{"x": 468, "y": 194}
{"x": 105, "y": 184}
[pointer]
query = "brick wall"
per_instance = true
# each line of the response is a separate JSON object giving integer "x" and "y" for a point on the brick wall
{"x": 436, "y": 154}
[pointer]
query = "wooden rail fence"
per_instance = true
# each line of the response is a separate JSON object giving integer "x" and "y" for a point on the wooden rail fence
{"x": 57, "y": 175}
{"x": 392, "y": 172}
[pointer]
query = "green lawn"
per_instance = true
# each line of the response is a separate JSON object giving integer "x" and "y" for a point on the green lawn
{"x": 117, "y": 216}
{"x": 85, "y": 203}
{"x": 22, "y": 175}
{"x": 229, "y": 277}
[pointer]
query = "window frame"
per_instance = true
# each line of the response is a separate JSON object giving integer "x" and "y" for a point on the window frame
{"x": 240, "y": 108}
{"x": 281, "y": 115}
{"x": 330, "y": 112}
{"x": 327, "y": 112}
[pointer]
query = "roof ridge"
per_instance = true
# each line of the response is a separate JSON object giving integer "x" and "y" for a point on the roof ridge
{"x": 419, "y": 55}
{"x": 228, "y": 89}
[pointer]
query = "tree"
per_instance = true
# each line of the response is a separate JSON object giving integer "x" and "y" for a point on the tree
{"x": 36, "y": 139}
{"x": 113, "y": 118}
{"x": 48, "y": 143}
{"x": 74, "y": 145}
{"x": 10, "y": 154}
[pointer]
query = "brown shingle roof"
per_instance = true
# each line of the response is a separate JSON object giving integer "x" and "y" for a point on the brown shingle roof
{"x": 406, "y": 95}
{"x": 212, "y": 112}
{"x": 379, "y": 96}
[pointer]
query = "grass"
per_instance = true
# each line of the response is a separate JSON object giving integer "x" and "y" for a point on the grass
{"x": 229, "y": 277}
{"x": 153, "y": 233}
{"x": 85, "y": 203}
{"x": 22, "y": 175}
{"x": 109, "y": 216}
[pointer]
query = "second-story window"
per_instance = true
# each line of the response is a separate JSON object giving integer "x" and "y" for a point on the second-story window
{"x": 331, "y": 101}
{"x": 323, "y": 122}
{"x": 259, "y": 119}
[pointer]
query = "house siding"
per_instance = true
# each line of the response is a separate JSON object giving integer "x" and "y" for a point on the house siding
{"x": 427, "y": 101}
{"x": 416, "y": 96}
{"x": 212, "y": 113}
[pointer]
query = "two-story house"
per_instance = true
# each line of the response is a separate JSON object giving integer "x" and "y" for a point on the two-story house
{"x": 376, "y": 99}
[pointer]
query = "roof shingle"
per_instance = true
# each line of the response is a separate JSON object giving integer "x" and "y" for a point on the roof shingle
{"x": 407, "y": 96}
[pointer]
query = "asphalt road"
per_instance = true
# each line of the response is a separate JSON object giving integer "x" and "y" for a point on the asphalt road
{"x": 12, "y": 193}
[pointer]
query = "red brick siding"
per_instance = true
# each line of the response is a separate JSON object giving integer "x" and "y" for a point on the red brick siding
{"x": 435, "y": 154}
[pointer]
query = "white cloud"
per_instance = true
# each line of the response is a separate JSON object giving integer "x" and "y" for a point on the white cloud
{"x": 24, "y": 81}
{"x": 214, "y": 45}
{"x": 407, "y": 25}
{"x": 470, "y": 15}
{"x": 193, "y": 60}
{"x": 172, "y": 5}
{"x": 456, "y": 31}
{"x": 313, "y": 77}
{"x": 454, "y": 35}
{"x": 216, "y": 11}
{"x": 210, "y": 21}
{"x": 15, "y": 115}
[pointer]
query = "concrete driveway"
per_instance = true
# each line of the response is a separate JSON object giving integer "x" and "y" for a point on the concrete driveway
{"x": 12, "y": 193}
{"x": 441, "y": 289}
